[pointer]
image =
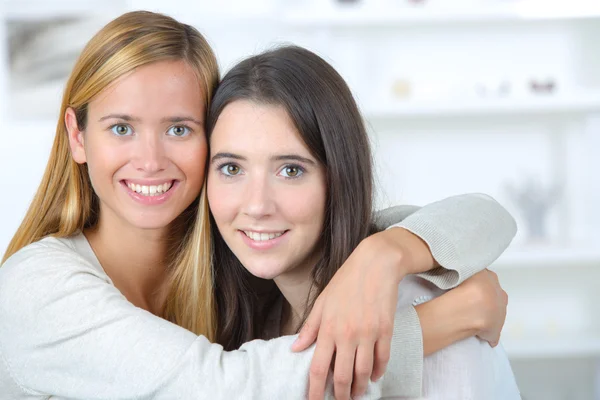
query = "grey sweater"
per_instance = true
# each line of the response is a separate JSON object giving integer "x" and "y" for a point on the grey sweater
{"x": 66, "y": 332}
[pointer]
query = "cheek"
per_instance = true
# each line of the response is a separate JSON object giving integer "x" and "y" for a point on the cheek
{"x": 192, "y": 161}
{"x": 103, "y": 158}
{"x": 222, "y": 200}
{"x": 306, "y": 205}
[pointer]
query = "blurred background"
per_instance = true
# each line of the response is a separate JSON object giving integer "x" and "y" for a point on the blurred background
{"x": 493, "y": 96}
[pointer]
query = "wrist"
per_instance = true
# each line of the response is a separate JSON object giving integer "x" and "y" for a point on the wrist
{"x": 383, "y": 246}
{"x": 414, "y": 254}
{"x": 444, "y": 320}
{"x": 473, "y": 309}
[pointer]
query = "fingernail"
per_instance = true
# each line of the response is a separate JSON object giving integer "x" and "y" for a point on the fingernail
{"x": 296, "y": 341}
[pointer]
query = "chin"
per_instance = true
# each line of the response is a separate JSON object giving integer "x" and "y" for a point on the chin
{"x": 263, "y": 271}
{"x": 151, "y": 223}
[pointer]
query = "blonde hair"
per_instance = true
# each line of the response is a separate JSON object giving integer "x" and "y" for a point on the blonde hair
{"x": 65, "y": 202}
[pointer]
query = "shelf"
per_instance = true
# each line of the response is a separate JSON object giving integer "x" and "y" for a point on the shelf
{"x": 548, "y": 258}
{"x": 38, "y": 9}
{"x": 552, "y": 348}
{"x": 365, "y": 16}
{"x": 540, "y": 105}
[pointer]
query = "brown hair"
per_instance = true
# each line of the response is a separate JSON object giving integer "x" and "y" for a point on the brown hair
{"x": 325, "y": 114}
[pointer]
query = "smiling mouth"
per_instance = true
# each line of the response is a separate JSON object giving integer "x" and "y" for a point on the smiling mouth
{"x": 263, "y": 236}
{"x": 150, "y": 190}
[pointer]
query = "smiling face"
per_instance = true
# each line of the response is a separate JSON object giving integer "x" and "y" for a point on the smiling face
{"x": 144, "y": 145}
{"x": 266, "y": 191}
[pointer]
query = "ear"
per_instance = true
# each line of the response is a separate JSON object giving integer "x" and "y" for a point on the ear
{"x": 75, "y": 137}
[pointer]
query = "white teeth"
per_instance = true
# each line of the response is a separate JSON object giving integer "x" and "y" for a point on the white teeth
{"x": 151, "y": 190}
{"x": 262, "y": 237}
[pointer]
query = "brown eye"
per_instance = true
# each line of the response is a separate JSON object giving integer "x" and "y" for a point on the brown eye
{"x": 292, "y": 171}
{"x": 230, "y": 170}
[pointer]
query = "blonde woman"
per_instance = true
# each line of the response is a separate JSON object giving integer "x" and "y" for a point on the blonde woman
{"x": 106, "y": 288}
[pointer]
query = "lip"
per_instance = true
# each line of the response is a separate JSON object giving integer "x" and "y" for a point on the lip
{"x": 263, "y": 230}
{"x": 263, "y": 245}
{"x": 150, "y": 200}
{"x": 148, "y": 182}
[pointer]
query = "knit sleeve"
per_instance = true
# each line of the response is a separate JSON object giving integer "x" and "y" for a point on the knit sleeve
{"x": 465, "y": 234}
{"x": 67, "y": 332}
{"x": 467, "y": 369}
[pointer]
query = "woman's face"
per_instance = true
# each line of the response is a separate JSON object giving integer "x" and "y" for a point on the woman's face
{"x": 266, "y": 191}
{"x": 145, "y": 145}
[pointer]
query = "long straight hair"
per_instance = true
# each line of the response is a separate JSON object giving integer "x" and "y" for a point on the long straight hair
{"x": 65, "y": 202}
{"x": 327, "y": 118}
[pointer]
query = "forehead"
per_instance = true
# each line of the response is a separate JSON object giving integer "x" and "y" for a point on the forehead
{"x": 157, "y": 89}
{"x": 249, "y": 127}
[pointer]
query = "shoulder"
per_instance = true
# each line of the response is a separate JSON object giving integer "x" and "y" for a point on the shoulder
{"x": 47, "y": 256}
{"x": 45, "y": 269}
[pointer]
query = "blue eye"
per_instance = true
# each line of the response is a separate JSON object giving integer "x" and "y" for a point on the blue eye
{"x": 292, "y": 171}
{"x": 121, "y": 130}
{"x": 230, "y": 170}
{"x": 178, "y": 130}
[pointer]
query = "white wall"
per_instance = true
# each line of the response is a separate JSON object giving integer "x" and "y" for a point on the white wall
{"x": 442, "y": 140}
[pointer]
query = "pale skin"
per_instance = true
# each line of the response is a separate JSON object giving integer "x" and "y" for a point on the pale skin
{"x": 263, "y": 179}
{"x": 131, "y": 137}
{"x": 147, "y": 129}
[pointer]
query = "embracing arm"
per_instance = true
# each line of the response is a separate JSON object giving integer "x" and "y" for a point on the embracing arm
{"x": 477, "y": 305}
{"x": 464, "y": 235}
{"x": 67, "y": 332}
{"x": 464, "y": 369}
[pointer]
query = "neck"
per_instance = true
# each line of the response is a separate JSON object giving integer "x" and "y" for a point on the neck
{"x": 134, "y": 259}
{"x": 295, "y": 286}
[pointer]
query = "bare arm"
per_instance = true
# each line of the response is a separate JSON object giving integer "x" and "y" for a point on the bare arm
{"x": 475, "y": 308}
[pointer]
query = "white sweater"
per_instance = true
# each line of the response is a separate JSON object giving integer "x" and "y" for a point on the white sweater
{"x": 66, "y": 332}
{"x": 466, "y": 370}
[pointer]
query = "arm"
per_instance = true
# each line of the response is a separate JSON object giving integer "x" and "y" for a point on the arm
{"x": 464, "y": 234}
{"x": 478, "y": 304}
{"x": 475, "y": 308}
{"x": 67, "y": 332}
{"x": 466, "y": 369}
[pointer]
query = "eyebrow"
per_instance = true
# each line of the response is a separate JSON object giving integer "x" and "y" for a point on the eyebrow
{"x": 124, "y": 117}
{"x": 293, "y": 157}
{"x": 182, "y": 119}
{"x": 220, "y": 156}
{"x": 282, "y": 157}
{"x": 129, "y": 118}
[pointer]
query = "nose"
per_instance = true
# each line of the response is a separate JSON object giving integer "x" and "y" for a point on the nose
{"x": 259, "y": 200}
{"x": 149, "y": 153}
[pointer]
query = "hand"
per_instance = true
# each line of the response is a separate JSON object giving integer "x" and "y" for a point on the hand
{"x": 489, "y": 301}
{"x": 354, "y": 316}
